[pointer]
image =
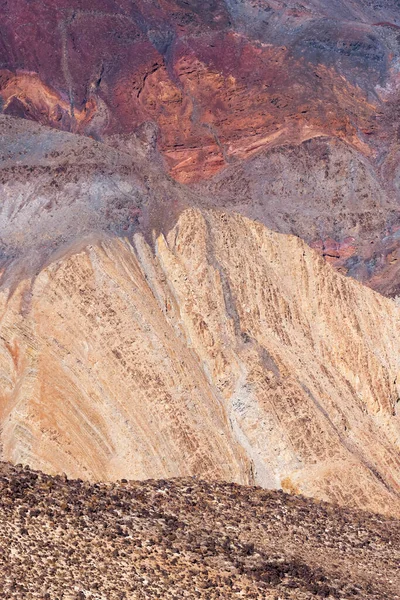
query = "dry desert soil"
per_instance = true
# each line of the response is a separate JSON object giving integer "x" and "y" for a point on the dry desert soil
{"x": 186, "y": 538}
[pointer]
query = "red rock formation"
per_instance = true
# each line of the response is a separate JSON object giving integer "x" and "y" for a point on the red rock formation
{"x": 25, "y": 95}
{"x": 216, "y": 92}
{"x": 222, "y": 81}
{"x": 284, "y": 112}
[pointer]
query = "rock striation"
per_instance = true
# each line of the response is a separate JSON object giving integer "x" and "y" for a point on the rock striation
{"x": 221, "y": 350}
{"x": 222, "y": 79}
{"x": 224, "y": 83}
{"x": 158, "y": 316}
{"x": 185, "y": 538}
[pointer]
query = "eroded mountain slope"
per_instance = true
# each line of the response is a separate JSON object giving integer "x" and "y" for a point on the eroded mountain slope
{"x": 326, "y": 193}
{"x": 221, "y": 78}
{"x": 223, "y": 350}
{"x": 223, "y": 83}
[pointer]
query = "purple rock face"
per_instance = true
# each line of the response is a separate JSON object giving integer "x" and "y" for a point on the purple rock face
{"x": 235, "y": 91}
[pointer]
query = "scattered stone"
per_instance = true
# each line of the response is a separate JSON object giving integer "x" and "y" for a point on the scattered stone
{"x": 197, "y": 539}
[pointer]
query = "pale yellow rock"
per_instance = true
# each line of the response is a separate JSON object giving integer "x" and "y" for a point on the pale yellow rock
{"x": 226, "y": 351}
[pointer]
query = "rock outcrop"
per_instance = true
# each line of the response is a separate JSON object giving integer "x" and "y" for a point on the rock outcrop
{"x": 221, "y": 83}
{"x": 222, "y": 79}
{"x": 224, "y": 350}
{"x": 326, "y": 193}
{"x": 158, "y": 317}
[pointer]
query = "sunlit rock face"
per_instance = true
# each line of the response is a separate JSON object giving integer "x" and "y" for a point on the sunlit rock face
{"x": 222, "y": 350}
{"x": 158, "y": 316}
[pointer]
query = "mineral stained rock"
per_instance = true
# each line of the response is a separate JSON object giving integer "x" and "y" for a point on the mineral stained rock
{"x": 186, "y": 538}
{"x": 221, "y": 78}
{"x": 158, "y": 317}
{"x": 225, "y": 82}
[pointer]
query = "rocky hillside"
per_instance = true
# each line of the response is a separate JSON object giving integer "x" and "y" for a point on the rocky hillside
{"x": 185, "y": 538}
{"x": 221, "y": 78}
{"x": 158, "y": 316}
{"x": 222, "y": 350}
{"x": 326, "y": 193}
{"x": 224, "y": 83}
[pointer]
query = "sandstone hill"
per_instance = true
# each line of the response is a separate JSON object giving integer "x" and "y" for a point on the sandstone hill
{"x": 221, "y": 350}
{"x": 185, "y": 538}
{"x": 158, "y": 318}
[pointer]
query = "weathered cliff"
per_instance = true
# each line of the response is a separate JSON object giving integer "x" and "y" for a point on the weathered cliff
{"x": 223, "y": 350}
{"x": 152, "y": 322}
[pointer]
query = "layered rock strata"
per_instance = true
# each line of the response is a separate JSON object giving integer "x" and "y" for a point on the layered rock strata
{"x": 225, "y": 83}
{"x": 223, "y": 350}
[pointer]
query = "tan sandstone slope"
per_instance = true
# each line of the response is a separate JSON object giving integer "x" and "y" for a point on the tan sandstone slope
{"x": 225, "y": 351}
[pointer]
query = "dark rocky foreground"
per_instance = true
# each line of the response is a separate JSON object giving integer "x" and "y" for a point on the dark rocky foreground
{"x": 186, "y": 538}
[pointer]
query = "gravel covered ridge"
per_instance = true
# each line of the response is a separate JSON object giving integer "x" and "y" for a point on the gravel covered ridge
{"x": 185, "y": 538}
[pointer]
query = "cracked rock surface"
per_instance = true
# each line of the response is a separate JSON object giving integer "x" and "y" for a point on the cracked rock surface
{"x": 220, "y": 349}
